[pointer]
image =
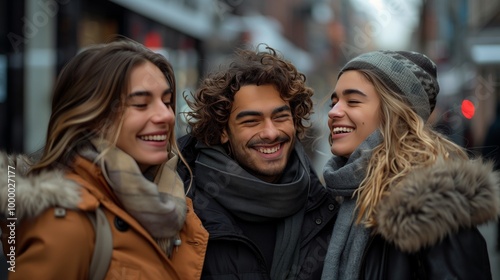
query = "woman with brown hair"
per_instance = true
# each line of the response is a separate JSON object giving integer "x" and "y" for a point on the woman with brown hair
{"x": 110, "y": 158}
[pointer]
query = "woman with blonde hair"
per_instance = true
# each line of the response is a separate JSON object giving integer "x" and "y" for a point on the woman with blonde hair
{"x": 103, "y": 201}
{"x": 412, "y": 200}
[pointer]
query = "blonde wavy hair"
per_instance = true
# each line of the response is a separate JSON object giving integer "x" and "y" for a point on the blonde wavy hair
{"x": 408, "y": 144}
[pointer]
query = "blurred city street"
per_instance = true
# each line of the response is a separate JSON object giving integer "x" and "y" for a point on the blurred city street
{"x": 489, "y": 232}
{"x": 317, "y": 36}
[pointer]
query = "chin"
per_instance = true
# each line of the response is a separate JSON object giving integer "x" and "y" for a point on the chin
{"x": 335, "y": 152}
{"x": 156, "y": 160}
{"x": 273, "y": 171}
{"x": 340, "y": 153}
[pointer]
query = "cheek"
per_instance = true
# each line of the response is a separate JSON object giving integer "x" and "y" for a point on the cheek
{"x": 373, "y": 124}
{"x": 131, "y": 126}
{"x": 377, "y": 118}
{"x": 289, "y": 127}
{"x": 244, "y": 135}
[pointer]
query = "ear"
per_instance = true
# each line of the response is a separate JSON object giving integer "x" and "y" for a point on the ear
{"x": 224, "y": 138}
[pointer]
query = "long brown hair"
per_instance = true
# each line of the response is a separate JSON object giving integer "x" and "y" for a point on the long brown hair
{"x": 88, "y": 99}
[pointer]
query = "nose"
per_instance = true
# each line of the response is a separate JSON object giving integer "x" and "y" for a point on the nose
{"x": 163, "y": 114}
{"x": 337, "y": 111}
{"x": 269, "y": 131}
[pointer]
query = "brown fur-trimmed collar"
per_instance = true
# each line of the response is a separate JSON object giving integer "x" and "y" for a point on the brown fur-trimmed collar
{"x": 34, "y": 193}
{"x": 433, "y": 202}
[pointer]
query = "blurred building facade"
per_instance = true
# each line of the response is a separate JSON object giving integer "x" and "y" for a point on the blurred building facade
{"x": 464, "y": 37}
{"x": 483, "y": 45}
{"x": 37, "y": 37}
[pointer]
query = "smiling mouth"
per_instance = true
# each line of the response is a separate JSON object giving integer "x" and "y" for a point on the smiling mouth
{"x": 157, "y": 138}
{"x": 269, "y": 150}
{"x": 339, "y": 130}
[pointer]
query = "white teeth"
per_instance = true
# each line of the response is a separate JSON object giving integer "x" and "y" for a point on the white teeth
{"x": 269, "y": 150}
{"x": 342, "y": 130}
{"x": 162, "y": 137}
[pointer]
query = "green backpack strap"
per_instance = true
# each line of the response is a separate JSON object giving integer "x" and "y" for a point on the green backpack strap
{"x": 103, "y": 248}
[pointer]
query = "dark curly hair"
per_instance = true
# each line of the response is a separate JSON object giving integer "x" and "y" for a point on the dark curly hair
{"x": 212, "y": 102}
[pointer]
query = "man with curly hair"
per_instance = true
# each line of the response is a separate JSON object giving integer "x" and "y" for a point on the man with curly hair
{"x": 267, "y": 214}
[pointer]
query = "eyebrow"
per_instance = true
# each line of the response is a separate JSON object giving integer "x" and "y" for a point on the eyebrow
{"x": 243, "y": 114}
{"x": 147, "y": 93}
{"x": 349, "y": 92}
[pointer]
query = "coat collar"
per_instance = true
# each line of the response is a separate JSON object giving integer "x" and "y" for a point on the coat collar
{"x": 33, "y": 194}
{"x": 431, "y": 203}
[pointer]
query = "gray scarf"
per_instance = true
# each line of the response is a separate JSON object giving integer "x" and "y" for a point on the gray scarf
{"x": 348, "y": 242}
{"x": 252, "y": 199}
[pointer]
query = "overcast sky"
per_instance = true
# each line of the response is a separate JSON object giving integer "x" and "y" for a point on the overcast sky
{"x": 397, "y": 20}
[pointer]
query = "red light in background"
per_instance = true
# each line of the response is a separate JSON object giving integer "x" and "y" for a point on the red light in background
{"x": 153, "y": 40}
{"x": 468, "y": 109}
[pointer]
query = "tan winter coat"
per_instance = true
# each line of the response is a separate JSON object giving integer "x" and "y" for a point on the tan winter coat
{"x": 49, "y": 245}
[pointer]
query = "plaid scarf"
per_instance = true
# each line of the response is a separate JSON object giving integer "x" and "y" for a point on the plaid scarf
{"x": 159, "y": 206}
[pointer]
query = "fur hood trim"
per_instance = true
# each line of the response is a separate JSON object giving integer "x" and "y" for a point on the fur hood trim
{"x": 33, "y": 194}
{"x": 433, "y": 202}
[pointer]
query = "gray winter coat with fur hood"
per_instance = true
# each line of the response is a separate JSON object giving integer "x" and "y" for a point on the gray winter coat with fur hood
{"x": 427, "y": 226}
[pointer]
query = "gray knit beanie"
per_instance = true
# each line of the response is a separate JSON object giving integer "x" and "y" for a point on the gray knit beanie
{"x": 411, "y": 74}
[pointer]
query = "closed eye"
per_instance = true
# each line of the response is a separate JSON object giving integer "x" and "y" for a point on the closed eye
{"x": 282, "y": 117}
{"x": 167, "y": 104}
{"x": 249, "y": 121}
{"x": 139, "y": 99}
{"x": 334, "y": 101}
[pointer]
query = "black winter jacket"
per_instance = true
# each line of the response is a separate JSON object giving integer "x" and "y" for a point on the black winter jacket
{"x": 231, "y": 255}
{"x": 427, "y": 228}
